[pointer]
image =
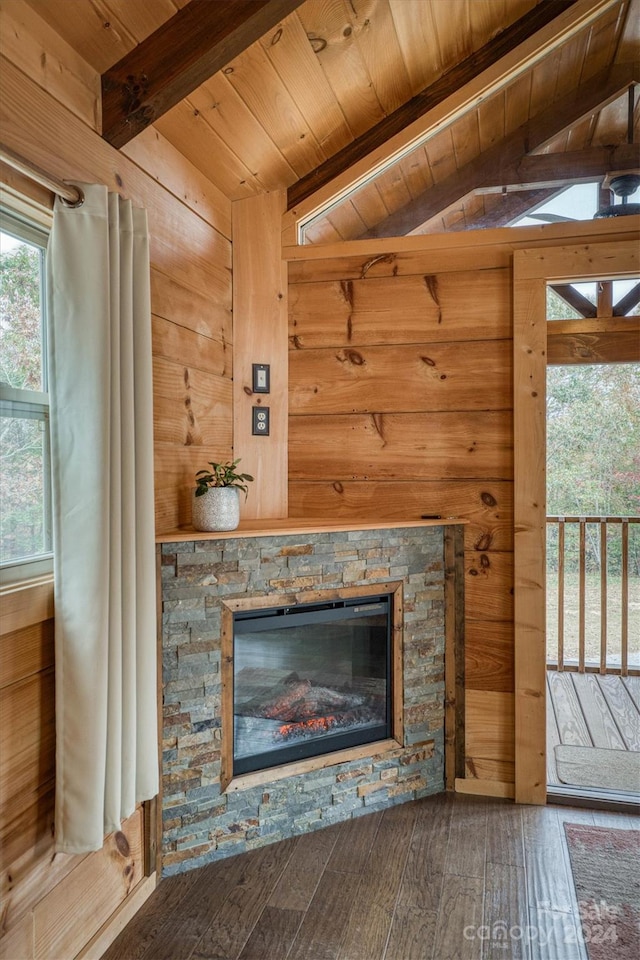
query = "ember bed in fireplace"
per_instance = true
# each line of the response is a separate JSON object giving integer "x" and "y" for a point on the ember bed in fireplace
{"x": 310, "y": 679}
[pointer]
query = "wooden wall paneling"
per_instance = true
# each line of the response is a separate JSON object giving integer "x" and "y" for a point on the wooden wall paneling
{"x": 229, "y": 116}
{"x": 254, "y": 78}
{"x": 27, "y": 715}
{"x": 44, "y": 132}
{"x": 185, "y": 307}
{"x": 172, "y": 341}
{"x": 376, "y": 36}
{"x": 338, "y": 53}
{"x": 66, "y": 918}
{"x": 435, "y": 307}
{"x": 489, "y": 655}
{"x": 413, "y": 20}
{"x": 26, "y": 604}
{"x": 85, "y": 30}
{"x": 160, "y": 159}
{"x": 530, "y": 343}
{"x": 490, "y": 729}
{"x": 188, "y": 131}
{"x": 25, "y": 651}
{"x": 472, "y": 375}
{"x": 298, "y": 65}
{"x": 260, "y": 336}
{"x": 487, "y": 505}
{"x": 622, "y": 346}
{"x": 424, "y": 446}
{"x": 489, "y": 586}
{"x": 38, "y": 50}
{"x": 191, "y": 407}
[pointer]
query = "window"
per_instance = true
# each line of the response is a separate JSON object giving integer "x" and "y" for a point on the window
{"x": 25, "y": 475}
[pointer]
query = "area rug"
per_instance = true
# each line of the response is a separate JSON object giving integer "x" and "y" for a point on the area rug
{"x": 594, "y": 767}
{"x": 606, "y": 874}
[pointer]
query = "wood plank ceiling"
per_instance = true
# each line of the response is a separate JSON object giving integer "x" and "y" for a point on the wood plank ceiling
{"x": 333, "y": 69}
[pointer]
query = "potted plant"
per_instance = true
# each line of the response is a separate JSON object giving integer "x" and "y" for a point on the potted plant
{"x": 216, "y": 504}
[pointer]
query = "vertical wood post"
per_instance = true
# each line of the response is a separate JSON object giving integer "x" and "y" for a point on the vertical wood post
{"x": 529, "y": 380}
{"x": 454, "y": 671}
{"x": 260, "y": 336}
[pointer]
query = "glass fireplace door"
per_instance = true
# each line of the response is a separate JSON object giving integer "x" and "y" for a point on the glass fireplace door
{"x": 310, "y": 679}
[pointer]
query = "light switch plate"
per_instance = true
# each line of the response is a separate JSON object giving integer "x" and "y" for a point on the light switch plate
{"x": 261, "y": 375}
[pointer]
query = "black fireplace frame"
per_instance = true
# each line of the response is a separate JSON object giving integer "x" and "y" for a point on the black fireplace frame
{"x": 308, "y": 614}
{"x": 393, "y": 734}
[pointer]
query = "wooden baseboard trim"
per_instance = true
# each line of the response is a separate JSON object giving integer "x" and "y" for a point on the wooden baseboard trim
{"x": 116, "y": 923}
{"x": 485, "y": 788}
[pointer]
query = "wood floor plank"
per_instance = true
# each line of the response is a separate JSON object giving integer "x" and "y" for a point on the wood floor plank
{"x": 422, "y": 882}
{"x": 504, "y": 833}
{"x": 323, "y": 927}
{"x": 178, "y": 938}
{"x": 234, "y": 921}
{"x": 373, "y": 906}
{"x": 458, "y": 934}
{"x": 506, "y": 915}
{"x": 354, "y": 844}
{"x": 273, "y": 934}
{"x": 571, "y": 723}
{"x": 298, "y": 883}
{"x": 624, "y": 710}
{"x": 548, "y": 885}
{"x": 632, "y": 685}
{"x": 224, "y": 910}
{"x": 138, "y": 937}
{"x": 597, "y": 712}
{"x": 467, "y": 839}
{"x": 412, "y": 934}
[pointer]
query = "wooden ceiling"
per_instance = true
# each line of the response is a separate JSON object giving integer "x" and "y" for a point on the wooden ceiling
{"x": 333, "y": 72}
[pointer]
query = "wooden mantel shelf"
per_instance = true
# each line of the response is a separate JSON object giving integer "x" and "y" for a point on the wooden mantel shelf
{"x": 295, "y": 526}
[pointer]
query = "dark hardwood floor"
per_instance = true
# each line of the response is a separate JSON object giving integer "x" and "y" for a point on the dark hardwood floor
{"x": 436, "y": 879}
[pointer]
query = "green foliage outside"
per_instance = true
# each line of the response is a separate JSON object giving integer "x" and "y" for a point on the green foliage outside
{"x": 22, "y": 532}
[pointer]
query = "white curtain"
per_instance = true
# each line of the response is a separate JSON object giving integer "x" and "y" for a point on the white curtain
{"x": 103, "y": 516}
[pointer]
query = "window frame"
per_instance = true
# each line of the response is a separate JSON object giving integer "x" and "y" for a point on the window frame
{"x": 31, "y": 404}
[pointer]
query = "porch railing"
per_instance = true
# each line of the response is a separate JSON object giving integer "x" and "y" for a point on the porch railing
{"x": 593, "y": 566}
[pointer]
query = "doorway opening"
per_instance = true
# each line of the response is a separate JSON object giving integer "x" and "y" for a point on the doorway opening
{"x": 593, "y": 544}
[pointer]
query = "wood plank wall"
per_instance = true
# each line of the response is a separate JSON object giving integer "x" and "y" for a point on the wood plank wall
{"x": 49, "y": 113}
{"x": 400, "y": 375}
{"x": 401, "y": 404}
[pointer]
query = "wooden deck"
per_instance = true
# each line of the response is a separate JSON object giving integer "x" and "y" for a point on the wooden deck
{"x": 591, "y": 710}
{"x": 420, "y": 881}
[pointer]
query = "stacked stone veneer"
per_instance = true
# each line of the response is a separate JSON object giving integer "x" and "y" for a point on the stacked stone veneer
{"x": 200, "y": 822}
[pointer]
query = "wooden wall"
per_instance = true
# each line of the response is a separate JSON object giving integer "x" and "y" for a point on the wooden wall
{"x": 401, "y": 404}
{"x": 49, "y": 113}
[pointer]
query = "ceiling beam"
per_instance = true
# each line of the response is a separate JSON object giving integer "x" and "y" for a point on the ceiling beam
{"x": 512, "y": 206}
{"x": 508, "y": 153}
{"x": 200, "y": 39}
{"x": 515, "y": 49}
{"x": 576, "y": 300}
{"x": 557, "y": 169}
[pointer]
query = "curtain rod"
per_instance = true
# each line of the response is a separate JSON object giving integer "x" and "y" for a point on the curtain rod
{"x": 70, "y": 194}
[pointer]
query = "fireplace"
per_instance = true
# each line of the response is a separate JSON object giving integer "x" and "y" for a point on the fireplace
{"x": 310, "y": 679}
{"x": 220, "y": 594}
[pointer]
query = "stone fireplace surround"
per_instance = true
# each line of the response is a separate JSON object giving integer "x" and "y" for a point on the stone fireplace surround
{"x": 287, "y": 562}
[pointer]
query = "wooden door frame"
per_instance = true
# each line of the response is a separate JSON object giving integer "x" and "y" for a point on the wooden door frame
{"x": 533, "y": 269}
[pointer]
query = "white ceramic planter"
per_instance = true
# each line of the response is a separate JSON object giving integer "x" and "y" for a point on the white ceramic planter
{"x": 217, "y": 509}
